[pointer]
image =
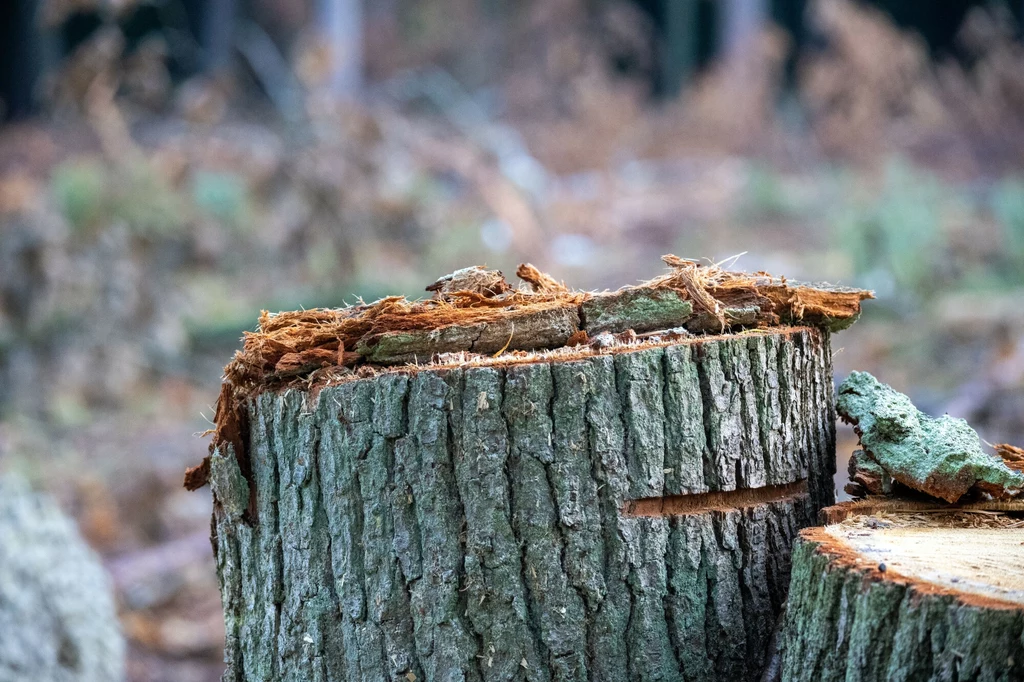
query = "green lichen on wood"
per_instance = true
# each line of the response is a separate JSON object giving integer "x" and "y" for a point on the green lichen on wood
{"x": 938, "y": 456}
{"x": 639, "y": 309}
{"x": 842, "y": 625}
{"x": 838, "y": 324}
{"x": 467, "y": 524}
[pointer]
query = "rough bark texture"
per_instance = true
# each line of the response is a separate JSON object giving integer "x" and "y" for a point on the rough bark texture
{"x": 939, "y": 456}
{"x": 847, "y": 622}
{"x": 472, "y": 523}
{"x": 57, "y": 617}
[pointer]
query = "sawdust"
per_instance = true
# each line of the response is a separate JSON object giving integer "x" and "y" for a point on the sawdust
{"x": 697, "y": 503}
{"x": 907, "y": 506}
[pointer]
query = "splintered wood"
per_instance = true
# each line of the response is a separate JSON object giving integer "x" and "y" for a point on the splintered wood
{"x": 475, "y": 311}
{"x": 475, "y": 316}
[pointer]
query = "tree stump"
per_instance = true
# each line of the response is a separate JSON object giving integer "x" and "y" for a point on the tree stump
{"x": 620, "y": 513}
{"x": 906, "y": 590}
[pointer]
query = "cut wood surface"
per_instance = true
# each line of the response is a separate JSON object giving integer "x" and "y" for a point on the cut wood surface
{"x": 479, "y": 520}
{"x": 890, "y": 594}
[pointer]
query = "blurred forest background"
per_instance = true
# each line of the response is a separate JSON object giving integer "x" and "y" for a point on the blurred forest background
{"x": 170, "y": 167}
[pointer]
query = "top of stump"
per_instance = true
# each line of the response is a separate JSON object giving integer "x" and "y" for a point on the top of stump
{"x": 475, "y": 314}
{"x": 974, "y": 557}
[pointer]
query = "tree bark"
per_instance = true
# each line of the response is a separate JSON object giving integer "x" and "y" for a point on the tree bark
{"x": 898, "y": 596}
{"x": 494, "y": 522}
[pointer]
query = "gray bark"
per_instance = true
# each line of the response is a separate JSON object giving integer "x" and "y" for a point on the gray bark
{"x": 57, "y": 616}
{"x": 636, "y": 308}
{"x": 470, "y": 524}
{"x": 844, "y": 624}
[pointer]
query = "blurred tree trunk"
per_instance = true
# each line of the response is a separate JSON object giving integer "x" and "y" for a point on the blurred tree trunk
{"x": 56, "y": 606}
{"x": 218, "y": 32}
{"x": 341, "y": 22}
{"x": 21, "y": 57}
{"x": 740, "y": 22}
{"x": 679, "y": 56}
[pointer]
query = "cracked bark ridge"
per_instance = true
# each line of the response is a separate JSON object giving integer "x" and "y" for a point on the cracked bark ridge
{"x": 471, "y": 523}
{"x": 882, "y": 599}
{"x": 549, "y": 327}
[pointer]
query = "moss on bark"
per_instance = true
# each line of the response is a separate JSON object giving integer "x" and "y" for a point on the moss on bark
{"x": 939, "y": 456}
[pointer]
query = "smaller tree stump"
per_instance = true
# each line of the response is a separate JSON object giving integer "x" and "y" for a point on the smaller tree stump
{"x": 906, "y": 591}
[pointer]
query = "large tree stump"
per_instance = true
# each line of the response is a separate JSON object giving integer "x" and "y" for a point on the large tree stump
{"x": 904, "y": 590}
{"x": 621, "y": 513}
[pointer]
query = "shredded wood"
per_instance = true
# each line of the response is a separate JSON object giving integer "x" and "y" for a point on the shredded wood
{"x": 293, "y": 344}
{"x": 1012, "y": 455}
